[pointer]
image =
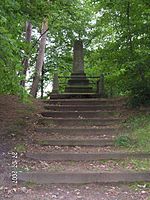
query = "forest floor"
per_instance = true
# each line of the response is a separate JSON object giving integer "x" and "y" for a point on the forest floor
{"x": 17, "y": 123}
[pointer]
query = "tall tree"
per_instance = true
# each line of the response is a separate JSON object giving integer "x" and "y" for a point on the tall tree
{"x": 25, "y": 61}
{"x": 40, "y": 59}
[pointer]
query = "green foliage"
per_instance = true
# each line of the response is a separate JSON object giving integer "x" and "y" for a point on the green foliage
{"x": 120, "y": 47}
{"x": 115, "y": 35}
{"x": 20, "y": 148}
{"x": 11, "y": 24}
{"x": 124, "y": 141}
{"x": 139, "y": 121}
{"x": 9, "y": 51}
{"x": 13, "y": 16}
{"x": 140, "y": 164}
{"x": 138, "y": 130}
{"x": 140, "y": 94}
{"x": 137, "y": 186}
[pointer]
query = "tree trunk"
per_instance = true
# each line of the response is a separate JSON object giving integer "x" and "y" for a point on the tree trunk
{"x": 40, "y": 60}
{"x": 42, "y": 82}
{"x": 25, "y": 61}
{"x": 129, "y": 40}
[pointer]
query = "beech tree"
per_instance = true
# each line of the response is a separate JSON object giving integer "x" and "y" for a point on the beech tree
{"x": 40, "y": 59}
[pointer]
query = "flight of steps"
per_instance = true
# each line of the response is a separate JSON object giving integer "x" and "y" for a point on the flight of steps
{"x": 73, "y": 138}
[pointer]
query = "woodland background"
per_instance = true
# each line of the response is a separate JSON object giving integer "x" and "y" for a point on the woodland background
{"x": 36, "y": 39}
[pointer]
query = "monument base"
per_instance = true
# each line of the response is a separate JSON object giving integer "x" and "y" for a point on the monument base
{"x": 78, "y": 83}
{"x": 74, "y": 96}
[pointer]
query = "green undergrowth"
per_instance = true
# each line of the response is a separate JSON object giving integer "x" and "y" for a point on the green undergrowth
{"x": 20, "y": 148}
{"x": 137, "y": 134}
{"x": 43, "y": 142}
{"x": 29, "y": 184}
{"x": 136, "y": 164}
{"x": 132, "y": 164}
{"x": 136, "y": 186}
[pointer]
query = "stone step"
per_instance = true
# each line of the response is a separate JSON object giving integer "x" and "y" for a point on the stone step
{"x": 78, "y": 85}
{"x": 67, "y": 156}
{"x": 36, "y": 147}
{"x": 79, "y": 130}
{"x": 55, "y": 136}
{"x": 78, "y": 121}
{"x": 95, "y": 101}
{"x": 83, "y": 107}
{"x": 78, "y": 89}
{"x": 74, "y": 142}
{"x": 79, "y": 81}
{"x": 79, "y": 114}
{"x": 74, "y": 95}
{"x": 83, "y": 177}
{"x": 78, "y": 76}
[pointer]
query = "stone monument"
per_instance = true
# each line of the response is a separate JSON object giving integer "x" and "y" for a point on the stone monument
{"x": 78, "y": 58}
{"x": 78, "y": 82}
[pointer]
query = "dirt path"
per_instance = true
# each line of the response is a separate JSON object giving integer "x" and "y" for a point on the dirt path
{"x": 75, "y": 192}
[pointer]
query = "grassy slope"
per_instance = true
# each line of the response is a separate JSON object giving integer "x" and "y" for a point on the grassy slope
{"x": 137, "y": 133}
{"x": 136, "y": 138}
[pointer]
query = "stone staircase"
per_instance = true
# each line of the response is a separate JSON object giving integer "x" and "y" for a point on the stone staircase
{"x": 72, "y": 141}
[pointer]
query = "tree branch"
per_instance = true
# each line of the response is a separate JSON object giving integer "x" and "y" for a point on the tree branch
{"x": 39, "y": 39}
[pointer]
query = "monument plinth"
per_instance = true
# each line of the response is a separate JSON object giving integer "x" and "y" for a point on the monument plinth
{"x": 78, "y": 82}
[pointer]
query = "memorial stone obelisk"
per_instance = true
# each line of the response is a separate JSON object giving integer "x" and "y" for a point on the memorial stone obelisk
{"x": 78, "y": 82}
{"x": 78, "y": 58}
